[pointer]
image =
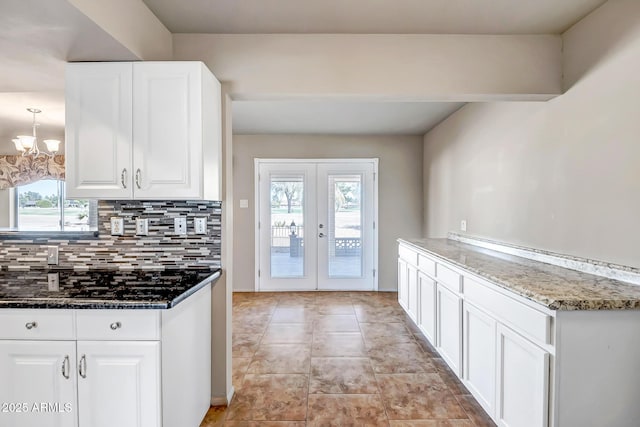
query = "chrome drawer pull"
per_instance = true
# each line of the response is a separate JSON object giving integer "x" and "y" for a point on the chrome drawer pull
{"x": 123, "y": 178}
{"x": 31, "y": 325}
{"x": 65, "y": 367}
{"x": 115, "y": 325}
{"x": 139, "y": 178}
{"x": 82, "y": 366}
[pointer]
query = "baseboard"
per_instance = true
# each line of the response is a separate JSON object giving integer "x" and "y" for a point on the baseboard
{"x": 223, "y": 400}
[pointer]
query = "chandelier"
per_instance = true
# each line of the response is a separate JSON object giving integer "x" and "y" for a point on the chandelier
{"x": 28, "y": 144}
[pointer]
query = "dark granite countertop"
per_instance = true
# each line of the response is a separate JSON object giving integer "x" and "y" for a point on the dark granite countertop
{"x": 102, "y": 289}
{"x": 556, "y": 288}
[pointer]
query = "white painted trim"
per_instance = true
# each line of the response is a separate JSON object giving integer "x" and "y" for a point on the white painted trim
{"x": 598, "y": 268}
{"x": 376, "y": 265}
{"x": 256, "y": 208}
{"x": 223, "y": 400}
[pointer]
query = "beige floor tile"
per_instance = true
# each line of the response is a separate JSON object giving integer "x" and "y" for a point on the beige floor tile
{"x": 215, "y": 417}
{"x": 270, "y": 398}
{"x": 342, "y": 375}
{"x": 264, "y": 424}
{"x": 245, "y": 345}
{"x": 336, "y": 308}
{"x": 294, "y": 315}
{"x": 288, "y": 333}
{"x": 418, "y": 397}
{"x": 281, "y": 359}
{"x": 400, "y": 358}
{"x": 239, "y": 367}
{"x": 336, "y": 323}
{"x": 326, "y": 410}
{"x": 338, "y": 344}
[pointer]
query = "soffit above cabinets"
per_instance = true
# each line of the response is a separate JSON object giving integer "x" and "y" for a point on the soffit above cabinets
{"x": 371, "y": 17}
{"x": 339, "y": 117}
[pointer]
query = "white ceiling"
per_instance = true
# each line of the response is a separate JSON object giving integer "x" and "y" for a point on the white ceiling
{"x": 372, "y": 16}
{"x": 338, "y": 117}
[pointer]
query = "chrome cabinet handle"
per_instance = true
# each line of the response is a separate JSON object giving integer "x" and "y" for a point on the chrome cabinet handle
{"x": 139, "y": 178}
{"x": 321, "y": 235}
{"x": 65, "y": 367}
{"x": 123, "y": 178}
{"x": 31, "y": 325}
{"x": 115, "y": 325}
{"x": 82, "y": 366}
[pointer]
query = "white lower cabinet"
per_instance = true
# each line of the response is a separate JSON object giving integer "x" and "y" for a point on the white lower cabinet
{"x": 523, "y": 372}
{"x": 449, "y": 327}
{"x": 427, "y": 306}
{"x": 42, "y": 380}
{"x": 119, "y": 383}
{"x": 479, "y": 344}
{"x": 412, "y": 292}
{"x": 403, "y": 284}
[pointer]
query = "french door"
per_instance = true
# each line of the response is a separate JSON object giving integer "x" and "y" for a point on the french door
{"x": 316, "y": 227}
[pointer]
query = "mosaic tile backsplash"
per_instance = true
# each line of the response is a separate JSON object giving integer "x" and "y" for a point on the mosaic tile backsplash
{"x": 161, "y": 248}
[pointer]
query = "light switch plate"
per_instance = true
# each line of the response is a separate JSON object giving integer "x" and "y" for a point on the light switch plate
{"x": 244, "y": 203}
{"x": 52, "y": 255}
{"x": 180, "y": 225}
{"x": 463, "y": 225}
{"x": 117, "y": 226}
{"x": 200, "y": 225}
{"x": 53, "y": 282}
{"x": 142, "y": 227}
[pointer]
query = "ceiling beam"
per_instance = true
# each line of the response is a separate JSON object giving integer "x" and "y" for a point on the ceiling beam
{"x": 459, "y": 68}
{"x": 131, "y": 23}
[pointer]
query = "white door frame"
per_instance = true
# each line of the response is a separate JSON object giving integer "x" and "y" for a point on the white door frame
{"x": 256, "y": 199}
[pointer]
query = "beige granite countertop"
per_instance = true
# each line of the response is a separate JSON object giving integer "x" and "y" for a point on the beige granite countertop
{"x": 554, "y": 287}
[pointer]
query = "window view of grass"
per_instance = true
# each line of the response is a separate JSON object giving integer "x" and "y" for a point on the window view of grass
{"x": 41, "y": 207}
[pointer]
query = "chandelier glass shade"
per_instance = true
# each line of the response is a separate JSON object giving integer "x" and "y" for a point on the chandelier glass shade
{"x": 28, "y": 144}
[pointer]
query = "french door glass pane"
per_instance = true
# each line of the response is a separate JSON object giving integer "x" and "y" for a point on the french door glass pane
{"x": 345, "y": 226}
{"x": 287, "y": 226}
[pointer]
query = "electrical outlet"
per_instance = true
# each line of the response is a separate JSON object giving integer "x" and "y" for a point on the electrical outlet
{"x": 463, "y": 225}
{"x": 53, "y": 282}
{"x": 117, "y": 226}
{"x": 142, "y": 227}
{"x": 52, "y": 255}
{"x": 200, "y": 225}
{"x": 180, "y": 225}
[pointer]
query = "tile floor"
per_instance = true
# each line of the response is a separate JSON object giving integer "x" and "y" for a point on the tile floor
{"x": 337, "y": 359}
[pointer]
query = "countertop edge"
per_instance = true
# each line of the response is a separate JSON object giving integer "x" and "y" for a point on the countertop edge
{"x": 186, "y": 294}
{"x": 548, "y": 303}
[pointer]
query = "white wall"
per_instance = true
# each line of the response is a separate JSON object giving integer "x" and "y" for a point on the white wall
{"x": 379, "y": 66}
{"x": 400, "y": 190}
{"x": 562, "y": 175}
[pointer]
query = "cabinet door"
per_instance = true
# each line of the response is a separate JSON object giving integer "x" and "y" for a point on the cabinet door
{"x": 412, "y": 292}
{"x": 449, "y": 327}
{"x": 119, "y": 383}
{"x": 38, "y": 384}
{"x": 98, "y": 130}
{"x": 167, "y": 131}
{"x": 523, "y": 379}
{"x": 427, "y": 307}
{"x": 403, "y": 284}
{"x": 479, "y": 344}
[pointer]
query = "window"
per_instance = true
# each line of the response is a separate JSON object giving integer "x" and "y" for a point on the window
{"x": 41, "y": 206}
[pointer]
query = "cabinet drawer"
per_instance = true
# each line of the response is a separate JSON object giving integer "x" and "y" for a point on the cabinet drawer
{"x": 35, "y": 324}
{"x": 408, "y": 254}
{"x": 532, "y": 322}
{"x": 119, "y": 325}
{"x": 449, "y": 278}
{"x": 427, "y": 265}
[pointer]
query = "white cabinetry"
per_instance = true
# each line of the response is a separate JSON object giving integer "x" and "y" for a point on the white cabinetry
{"x": 449, "y": 327}
{"x": 412, "y": 292}
{"x": 39, "y": 373}
{"x": 143, "y": 130}
{"x": 129, "y": 368}
{"x": 479, "y": 344}
{"x": 427, "y": 306}
{"x": 523, "y": 372}
{"x": 119, "y": 383}
{"x": 403, "y": 284}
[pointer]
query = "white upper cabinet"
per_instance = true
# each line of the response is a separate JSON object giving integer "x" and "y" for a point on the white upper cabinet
{"x": 143, "y": 130}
